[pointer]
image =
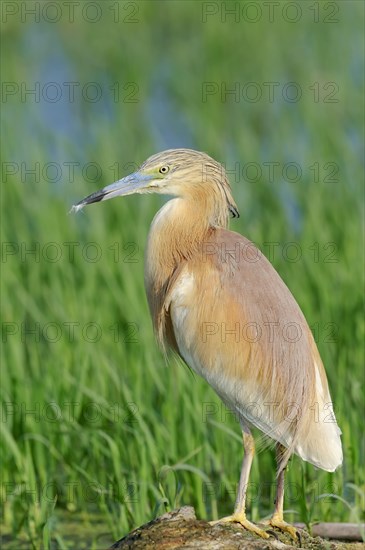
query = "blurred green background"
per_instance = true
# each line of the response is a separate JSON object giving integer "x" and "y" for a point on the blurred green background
{"x": 99, "y": 434}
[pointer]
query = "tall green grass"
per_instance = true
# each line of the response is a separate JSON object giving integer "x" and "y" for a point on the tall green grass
{"x": 99, "y": 434}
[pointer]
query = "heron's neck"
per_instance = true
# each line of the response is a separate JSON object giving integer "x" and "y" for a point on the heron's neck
{"x": 176, "y": 233}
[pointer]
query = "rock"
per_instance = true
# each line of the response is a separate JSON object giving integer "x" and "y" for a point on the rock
{"x": 180, "y": 529}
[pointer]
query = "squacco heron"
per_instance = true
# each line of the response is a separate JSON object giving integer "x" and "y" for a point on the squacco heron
{"x": 220, "y": 305}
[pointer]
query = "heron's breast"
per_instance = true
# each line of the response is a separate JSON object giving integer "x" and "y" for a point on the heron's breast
{"x": 195, "y": 315}
{"x": 184, "y": 308}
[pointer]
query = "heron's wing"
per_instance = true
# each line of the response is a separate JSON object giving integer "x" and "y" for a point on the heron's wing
{"x": 237, "y": 324}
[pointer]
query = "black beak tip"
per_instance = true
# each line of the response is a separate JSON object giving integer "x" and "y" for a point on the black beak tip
{"x": 94, "y": 197}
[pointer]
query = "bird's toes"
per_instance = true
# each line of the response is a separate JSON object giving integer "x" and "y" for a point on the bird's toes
{"x": 244, "y": 522}
{"x": 284, "y": 527}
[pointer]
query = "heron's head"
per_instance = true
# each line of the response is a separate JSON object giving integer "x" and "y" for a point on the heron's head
{"x": 178, "y": 172}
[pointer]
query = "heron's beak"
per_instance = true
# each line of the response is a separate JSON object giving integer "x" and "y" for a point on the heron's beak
{"x": 134, "y": 183}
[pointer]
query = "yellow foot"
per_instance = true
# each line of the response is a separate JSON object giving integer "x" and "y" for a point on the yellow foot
{"x": 283, "y": 526}
{"x": 242, "y": 520}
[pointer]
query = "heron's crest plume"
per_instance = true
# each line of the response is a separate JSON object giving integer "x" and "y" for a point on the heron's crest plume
{"x": 189, "y": 173}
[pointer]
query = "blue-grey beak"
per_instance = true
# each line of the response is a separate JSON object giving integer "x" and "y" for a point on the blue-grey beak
{"x": 134, "y": 183}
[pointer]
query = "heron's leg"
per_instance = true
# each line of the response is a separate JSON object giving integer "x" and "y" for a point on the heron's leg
{"x": 239, "y": 514}
{"x": 249, "y": 447}
{"x": 277, "y": 519}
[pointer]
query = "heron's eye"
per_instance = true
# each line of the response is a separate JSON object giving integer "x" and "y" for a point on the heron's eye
{"x": 164, "y": 169}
